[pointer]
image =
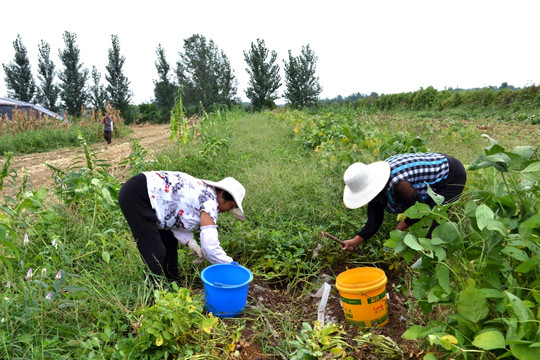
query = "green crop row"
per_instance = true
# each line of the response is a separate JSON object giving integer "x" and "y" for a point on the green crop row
{"x": 481, "y": 265}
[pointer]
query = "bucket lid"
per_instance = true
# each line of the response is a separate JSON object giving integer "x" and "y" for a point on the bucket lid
{"x": 361, "y": 280}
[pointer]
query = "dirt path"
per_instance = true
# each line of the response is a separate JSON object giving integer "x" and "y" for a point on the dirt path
{"x": 152, "y": 137}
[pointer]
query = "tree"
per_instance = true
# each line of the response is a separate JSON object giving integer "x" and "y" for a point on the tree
{"x": 164, "y": 89}
{"x": 48, "y": 91}
{"x": 226, "y": 81}
{"x": 98, "y": 95}
{"x": 73, "y": 77}
{"x": 19, "y": 80}
{"x": 205, "y": 73}
{"x": 264, "y": 78}
{"x": 303, "y": 86}
{"x": 118, "y": 88}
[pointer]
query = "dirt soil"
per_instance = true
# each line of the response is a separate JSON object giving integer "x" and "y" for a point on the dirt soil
{"x": 304, "y": 308}
{"x": 277, "y": 299}
{"x": 152, "y": 137}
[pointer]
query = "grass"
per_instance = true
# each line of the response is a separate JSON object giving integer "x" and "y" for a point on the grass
{"x": 292, "y": 194}
{"x": 282, "y": 179}
{"x": 458, "y": 137}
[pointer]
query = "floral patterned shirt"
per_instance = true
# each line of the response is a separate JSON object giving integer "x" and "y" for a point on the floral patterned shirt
{"x": 178, "y": 199}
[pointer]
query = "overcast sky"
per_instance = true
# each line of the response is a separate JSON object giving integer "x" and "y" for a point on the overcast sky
{"x": 383, "y": 46}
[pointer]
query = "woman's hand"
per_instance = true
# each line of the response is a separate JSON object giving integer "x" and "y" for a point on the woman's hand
{"x": 195, "y": 251}
{"x": 402, "y": 226}
{"x": 351, "y": 244}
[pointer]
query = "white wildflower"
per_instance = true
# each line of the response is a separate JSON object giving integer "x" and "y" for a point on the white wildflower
{"x": 29, "y": 275}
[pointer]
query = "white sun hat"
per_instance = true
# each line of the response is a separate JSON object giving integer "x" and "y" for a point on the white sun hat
{"x": 364, "y": 182}
{"x": 237, "y": 191}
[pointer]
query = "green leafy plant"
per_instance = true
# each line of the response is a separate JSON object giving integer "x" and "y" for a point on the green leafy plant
{"x": 319, "y": 342}
{"x": 5, "y": 169}
{"x": 179, "y": 124}
{"x": 175, "y": 327}
{"x": 380, "y": 345}
{"x": 486, "y": 274}
{"x": 139, "y": 160}
{"x": 344, "y": 136}
{"x": 79, "y": 183}
{"x": 215, "y": 134}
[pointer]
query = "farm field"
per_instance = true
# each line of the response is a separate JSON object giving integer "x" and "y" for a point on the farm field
{"x": 154, "y": 137}
{"x": 86, "y": 295}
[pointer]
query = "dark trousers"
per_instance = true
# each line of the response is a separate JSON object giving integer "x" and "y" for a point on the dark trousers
{"x": 158, "y": 248}
{"x": 455, "y": 183}
{"x": 452, "y": 188}
{"x": 107, "y": 134}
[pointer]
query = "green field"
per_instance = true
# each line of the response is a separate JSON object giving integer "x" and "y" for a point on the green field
{"x": 474, "y": 296}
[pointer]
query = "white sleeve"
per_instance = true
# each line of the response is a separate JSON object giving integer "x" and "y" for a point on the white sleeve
{"x": 183, "y": 237}
{"x": 210, "y": 246}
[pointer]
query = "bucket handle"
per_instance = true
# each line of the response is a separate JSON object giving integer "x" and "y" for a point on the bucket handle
{"x": 217, "y": 284}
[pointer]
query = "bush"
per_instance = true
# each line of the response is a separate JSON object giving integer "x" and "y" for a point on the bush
{"x": 432, "y": 99}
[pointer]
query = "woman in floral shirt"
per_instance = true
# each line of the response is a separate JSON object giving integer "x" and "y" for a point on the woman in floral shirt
{"x": 163, "y": 208}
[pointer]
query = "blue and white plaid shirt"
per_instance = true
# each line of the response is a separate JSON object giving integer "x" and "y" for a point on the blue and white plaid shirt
{"x": 420, "y": 170}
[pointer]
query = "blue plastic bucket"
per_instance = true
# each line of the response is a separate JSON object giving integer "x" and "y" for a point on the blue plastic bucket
{"x": 225, "y": 289}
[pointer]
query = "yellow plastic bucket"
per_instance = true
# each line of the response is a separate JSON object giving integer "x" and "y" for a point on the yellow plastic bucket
{"x": 363, "y": 296}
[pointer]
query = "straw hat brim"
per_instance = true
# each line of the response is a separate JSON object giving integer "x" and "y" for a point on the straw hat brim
{"x": 379, "y": 173}
{"x": 231, "y": 189}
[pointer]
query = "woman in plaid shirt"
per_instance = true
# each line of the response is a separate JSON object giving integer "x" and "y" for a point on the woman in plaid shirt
{"x": 396, "y": 184}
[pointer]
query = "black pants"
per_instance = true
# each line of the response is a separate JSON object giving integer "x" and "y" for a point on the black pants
{"x": 107, "y": 134}
{"x": 158, "y": 248}
{"x": 452, "y": 188}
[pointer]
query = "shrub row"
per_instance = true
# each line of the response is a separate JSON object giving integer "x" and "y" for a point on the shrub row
{"x": 433, "y": 99}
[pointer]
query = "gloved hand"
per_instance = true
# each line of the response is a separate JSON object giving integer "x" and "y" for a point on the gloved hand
{"x": 234, "y": 263}
{"x": 196, "y": 251}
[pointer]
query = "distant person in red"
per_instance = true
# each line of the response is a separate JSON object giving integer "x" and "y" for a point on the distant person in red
{"x": 107, "y": 128}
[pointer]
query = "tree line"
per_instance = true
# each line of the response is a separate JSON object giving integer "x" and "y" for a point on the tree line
{"x": 203, "y": 74}
{"x": 71, "y": 92}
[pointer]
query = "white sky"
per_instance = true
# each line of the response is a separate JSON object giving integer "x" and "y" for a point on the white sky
{"x": 383, "y": 46}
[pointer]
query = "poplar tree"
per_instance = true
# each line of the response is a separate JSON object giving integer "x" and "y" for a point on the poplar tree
{"x": 164, "y": 89}
{"x": 226, "y": 81}
{"x": 19, "y": 80}
{"x": 48, "y": 91}
{"x": 205, "y": 73}
{"x": 98, "y": 95}
{"x": 303, "y": 86}
{"x": 73, "y": 77}
{"x": 264, "y": 78}
{"x": 118, "y": 88}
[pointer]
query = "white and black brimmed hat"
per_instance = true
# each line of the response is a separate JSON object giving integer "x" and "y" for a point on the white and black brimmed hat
{"x": 237, "y": 191}
{"x": 364, "y": 182}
